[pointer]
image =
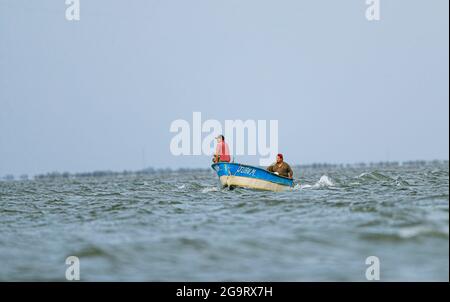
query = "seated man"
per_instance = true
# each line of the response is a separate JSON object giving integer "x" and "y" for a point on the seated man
{"x": 281, "y": 168}
{"x": 222, "y": 153}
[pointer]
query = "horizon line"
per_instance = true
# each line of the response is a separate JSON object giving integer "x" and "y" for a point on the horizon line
{"x": 152, "y": 170}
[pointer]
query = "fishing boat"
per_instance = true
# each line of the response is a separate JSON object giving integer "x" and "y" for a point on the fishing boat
{"x": 238, "y": 175}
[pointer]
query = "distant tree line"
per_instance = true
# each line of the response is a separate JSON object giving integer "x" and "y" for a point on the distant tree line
{"x": 108, "y": 173}
{"x": 384, "y": 164}
{"x": 152, "y": 171}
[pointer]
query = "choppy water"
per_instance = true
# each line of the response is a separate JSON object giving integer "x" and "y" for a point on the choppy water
{"x": 183, "y": 227}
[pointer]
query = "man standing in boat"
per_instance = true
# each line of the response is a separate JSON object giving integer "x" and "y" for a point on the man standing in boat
{"x": 222, "y": 153}
{"x": 281, "y": 168}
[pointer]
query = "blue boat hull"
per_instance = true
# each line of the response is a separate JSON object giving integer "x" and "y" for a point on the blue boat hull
{"x": 238, "y": 175}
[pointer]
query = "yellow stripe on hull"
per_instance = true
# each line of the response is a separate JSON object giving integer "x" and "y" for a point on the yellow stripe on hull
{"x": 252, "y": 183}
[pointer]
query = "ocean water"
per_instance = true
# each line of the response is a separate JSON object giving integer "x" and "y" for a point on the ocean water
{"x": 182, "y": 226}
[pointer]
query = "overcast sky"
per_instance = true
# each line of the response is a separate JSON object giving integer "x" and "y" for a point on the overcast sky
{"x": 102, "y": 92}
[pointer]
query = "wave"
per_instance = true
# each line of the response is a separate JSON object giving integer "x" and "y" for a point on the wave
{"x": 375, "y": 176}
{"x": 210, "y": 189}
{"x": 323, "y": 182}
{"x": 401, "y": 182}
{"x": 413, "y": 232}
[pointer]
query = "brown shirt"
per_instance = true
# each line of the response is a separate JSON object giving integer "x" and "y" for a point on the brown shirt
{"x": 284, "y": 169}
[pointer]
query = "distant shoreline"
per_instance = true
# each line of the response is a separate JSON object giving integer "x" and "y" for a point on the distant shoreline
{"x": 162, "y": 171}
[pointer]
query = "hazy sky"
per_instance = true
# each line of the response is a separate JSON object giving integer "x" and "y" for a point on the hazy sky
{"x": 101, "y": 93}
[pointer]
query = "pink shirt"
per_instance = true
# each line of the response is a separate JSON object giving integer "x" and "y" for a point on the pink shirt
{"x": 223, "y": 151}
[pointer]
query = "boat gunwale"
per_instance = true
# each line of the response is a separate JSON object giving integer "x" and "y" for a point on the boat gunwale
{"x": 223, "y": 162}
